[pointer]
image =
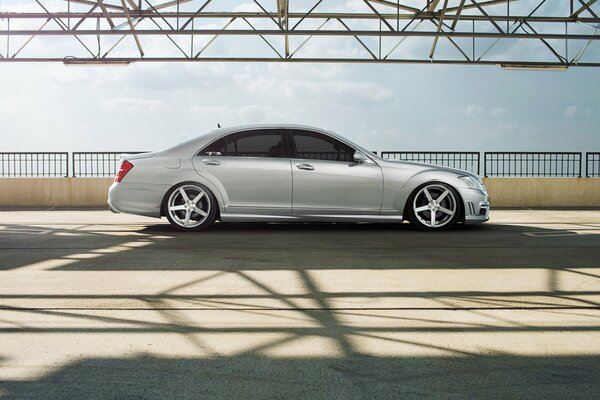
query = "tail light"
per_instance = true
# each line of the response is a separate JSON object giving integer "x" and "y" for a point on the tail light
{"x": 123, "y": 170}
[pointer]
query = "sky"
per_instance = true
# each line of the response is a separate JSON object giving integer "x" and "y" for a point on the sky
{"x": 152, "y": 106}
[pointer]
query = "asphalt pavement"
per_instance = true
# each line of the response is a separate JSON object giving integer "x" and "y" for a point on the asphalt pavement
{"x": 97, "y": 305}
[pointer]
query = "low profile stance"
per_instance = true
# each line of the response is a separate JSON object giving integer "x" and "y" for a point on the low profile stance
{"x": 291, "y": 173}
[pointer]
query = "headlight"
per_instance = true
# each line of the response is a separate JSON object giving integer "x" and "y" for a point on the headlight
{"x": 471, "y": 182}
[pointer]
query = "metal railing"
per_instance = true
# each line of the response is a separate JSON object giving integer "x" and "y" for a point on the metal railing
{"x": 42, "y": 164}
{"x": 532, "y": 164}
{"x": 495, "y": 164}
{"x": 592, "y": 165}
{"x": 97, "y": 164}
{"x": 465, "y": 160}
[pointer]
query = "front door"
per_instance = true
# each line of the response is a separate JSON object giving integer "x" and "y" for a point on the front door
{"x": 326, "y": 180}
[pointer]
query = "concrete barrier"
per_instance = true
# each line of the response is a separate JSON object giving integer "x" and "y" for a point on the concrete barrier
{"x": 504, "y": 192}
{"x": 543, "y": 192}
{"x": 54, "y": 191}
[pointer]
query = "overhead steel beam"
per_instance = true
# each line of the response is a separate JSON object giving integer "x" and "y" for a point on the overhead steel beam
{"x": 106, "y": 14}
{"x": 292, "y": 15}
{"x": 463, "y": 23}
{"x": 432, "y": 5}
{"x": 121, "y": 60}
{"x": 584, "y": 7}
{"x": 132, "y": 27}
{"x": 282, "y": 15}
{"x": 439, "y": 29}
{"x": 281, "y": 32}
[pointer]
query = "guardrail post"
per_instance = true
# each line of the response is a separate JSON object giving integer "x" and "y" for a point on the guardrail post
{"x": 485, "y": 165}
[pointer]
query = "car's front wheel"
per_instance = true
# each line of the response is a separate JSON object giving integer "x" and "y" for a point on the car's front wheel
{"x": 434, "y": 206}
{"x": 190, "y": 207}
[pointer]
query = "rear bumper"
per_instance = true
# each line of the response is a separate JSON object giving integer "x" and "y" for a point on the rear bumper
{"x": 111, "y": 208}
{"x": 132, "y": 198}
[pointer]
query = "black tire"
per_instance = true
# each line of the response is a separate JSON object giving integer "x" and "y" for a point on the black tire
{"x": 423, "y": 202}
{"x": 176, "y": 207}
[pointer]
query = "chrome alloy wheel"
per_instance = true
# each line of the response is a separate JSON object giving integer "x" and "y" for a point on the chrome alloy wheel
{"x": 189, "y": 206}
{"x": 435, "y": 206}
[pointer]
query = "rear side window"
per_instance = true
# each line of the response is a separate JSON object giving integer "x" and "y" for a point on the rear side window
{"x": 257, "y": 143}
{"x": 315, "y": 146}
{"x": 215, "y": 148}
{"x": 260, "y": 143}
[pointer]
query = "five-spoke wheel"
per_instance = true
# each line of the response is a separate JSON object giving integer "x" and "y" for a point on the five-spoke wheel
{"x": 434, "y": 206}
{"x": 190, "y": 207}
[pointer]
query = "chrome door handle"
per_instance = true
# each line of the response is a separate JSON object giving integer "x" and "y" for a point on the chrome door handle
{"x": 210, "y": 162}
{"x": 306, "y": 167}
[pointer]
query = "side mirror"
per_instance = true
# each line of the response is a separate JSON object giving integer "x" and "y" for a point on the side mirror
{"x": 359, "y": 157}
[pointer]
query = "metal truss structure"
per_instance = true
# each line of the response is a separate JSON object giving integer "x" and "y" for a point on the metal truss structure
{"x": 510, "y": 33}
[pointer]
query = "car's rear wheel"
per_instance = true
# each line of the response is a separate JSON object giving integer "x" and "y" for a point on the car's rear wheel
{"x": 190, "y": 207}
{"x": 434, "y": 206}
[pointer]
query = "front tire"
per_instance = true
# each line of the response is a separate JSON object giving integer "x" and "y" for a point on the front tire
{"x": 190, "y": 207}
{"x": 434, "y": 206}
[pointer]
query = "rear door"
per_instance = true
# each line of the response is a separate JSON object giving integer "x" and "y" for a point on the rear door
{"x": 252, "y": 169}
{"x": 327, "y": 181}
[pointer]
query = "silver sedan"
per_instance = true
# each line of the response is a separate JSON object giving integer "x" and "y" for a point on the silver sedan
{"x": 291, "y": 173}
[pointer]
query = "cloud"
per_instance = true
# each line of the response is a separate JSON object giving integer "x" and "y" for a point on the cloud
{"x": 9, "y": 105}
{"x": 474, "y": 110}
{"x": 245, "y": 7}
{"x": 499, "y": 112}
{"x": 574, "y": 111}
{"x": 309, "y": 89}
{"x": 247, "y": 114}
{"x": 135, "y": 104}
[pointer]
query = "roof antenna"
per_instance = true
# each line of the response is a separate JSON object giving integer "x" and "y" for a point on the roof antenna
{"x": 218, "y": 125}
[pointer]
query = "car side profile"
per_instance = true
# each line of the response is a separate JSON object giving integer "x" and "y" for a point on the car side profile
{"x": 291, "y": 173}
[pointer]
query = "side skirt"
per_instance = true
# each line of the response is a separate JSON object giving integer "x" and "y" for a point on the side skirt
{"x": 227, "y": 217}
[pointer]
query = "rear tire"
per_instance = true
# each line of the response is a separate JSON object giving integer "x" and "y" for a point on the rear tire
{"x": 190, "y": 207}
{"x": 434, "y": 206}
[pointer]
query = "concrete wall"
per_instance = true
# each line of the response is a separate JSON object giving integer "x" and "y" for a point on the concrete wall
{"x": 54, "y": 191}
{"x": 504, "y": 192}
{"x": 543, "y": 192}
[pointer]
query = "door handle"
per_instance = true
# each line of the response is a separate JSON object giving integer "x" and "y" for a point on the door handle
{"x": 210, "y": 162}
{"x": 306, "y": 167}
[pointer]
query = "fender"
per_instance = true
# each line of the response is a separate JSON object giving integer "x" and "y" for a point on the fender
{"x": 421, "y": 178}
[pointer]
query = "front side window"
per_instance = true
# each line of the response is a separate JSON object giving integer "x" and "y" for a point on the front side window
{"x": 257, "y": 143}
{"x": 315, "y": 146}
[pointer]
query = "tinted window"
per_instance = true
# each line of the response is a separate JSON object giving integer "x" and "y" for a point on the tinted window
{"x": 315, "y": 146}
{"x": 215, "y": 148}
{"x": 260, "y": 143}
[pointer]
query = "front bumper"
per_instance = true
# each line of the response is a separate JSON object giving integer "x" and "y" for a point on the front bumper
{"x": 476, "y": 206}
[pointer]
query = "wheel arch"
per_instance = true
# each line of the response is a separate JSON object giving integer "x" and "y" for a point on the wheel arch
{"x": 214, "y": 192}
{"x": 417, "y": 181}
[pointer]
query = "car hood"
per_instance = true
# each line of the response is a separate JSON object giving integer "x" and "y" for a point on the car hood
{"x": 424, "y": 167}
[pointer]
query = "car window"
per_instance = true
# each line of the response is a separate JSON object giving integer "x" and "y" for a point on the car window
{"x": 259, "y": 143}
{"x": 315, "y": 146}
{"x": 216, "y": 148}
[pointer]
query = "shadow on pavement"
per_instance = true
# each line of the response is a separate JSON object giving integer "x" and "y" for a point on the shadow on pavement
{"x": 244, "y": 250}
{"x": 354, "y": 377}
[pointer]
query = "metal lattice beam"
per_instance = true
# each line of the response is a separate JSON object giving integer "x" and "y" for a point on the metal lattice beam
{"x": 513, "y": 33}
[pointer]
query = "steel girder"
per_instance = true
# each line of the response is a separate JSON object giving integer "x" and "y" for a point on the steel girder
{"x": 511, "y": 33}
